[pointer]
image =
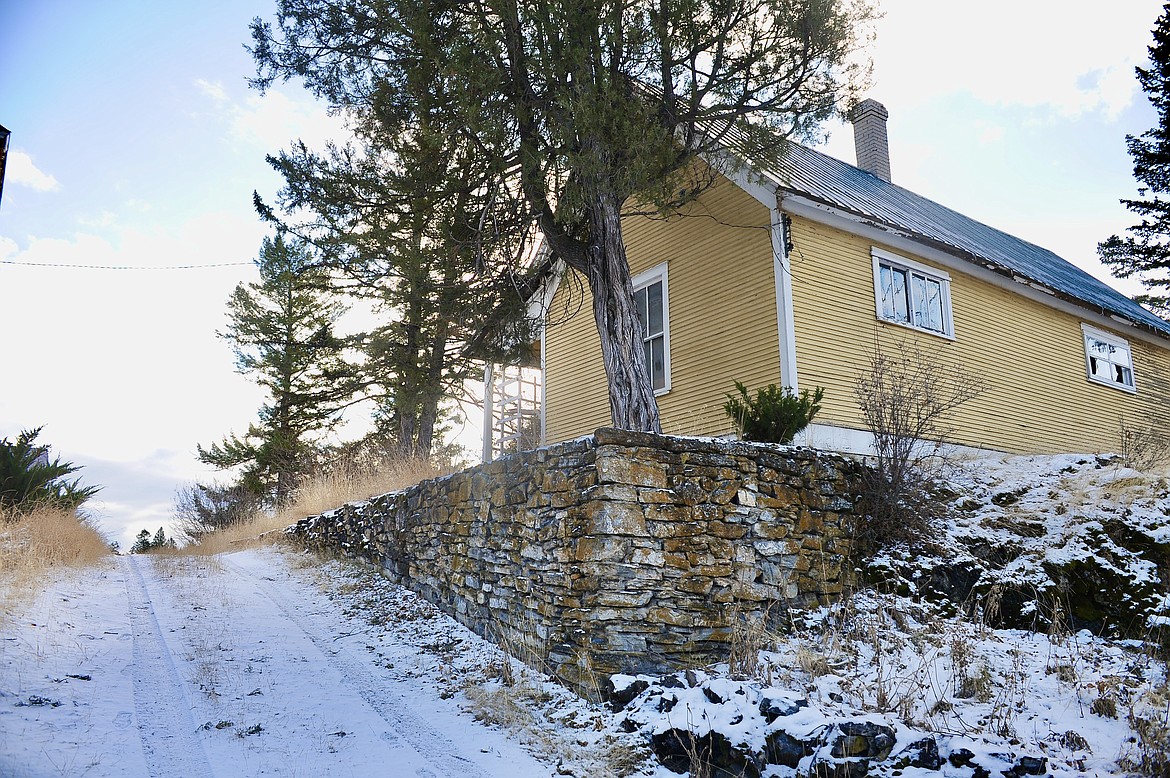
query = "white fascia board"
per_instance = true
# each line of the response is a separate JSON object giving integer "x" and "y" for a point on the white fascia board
{"x": 541, "y": 300}
{"x": 860, "y": 226}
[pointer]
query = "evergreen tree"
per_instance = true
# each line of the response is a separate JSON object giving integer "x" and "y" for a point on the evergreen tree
{"x": 29, "y": 479}
{"x": 397, "y": 215}
{"x": 1145, "y": 252}
{"x": 281, "y": 333}
{"x": 597, "y": 108}
{"x": 142, "y": 543}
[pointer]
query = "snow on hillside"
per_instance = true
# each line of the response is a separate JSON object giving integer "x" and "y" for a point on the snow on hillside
{"x": 276, "y": 663}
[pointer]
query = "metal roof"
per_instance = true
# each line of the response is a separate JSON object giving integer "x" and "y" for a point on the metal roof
{"x": 840, "y": 185}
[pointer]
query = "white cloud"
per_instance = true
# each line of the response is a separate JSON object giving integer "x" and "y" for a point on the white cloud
{"x": 272, "y": 120}
{"x": 212, "y": 89}
{"x": 101, "y": 221}
{"x": 21, "y": 170}
{"x": 1040, "y": 54}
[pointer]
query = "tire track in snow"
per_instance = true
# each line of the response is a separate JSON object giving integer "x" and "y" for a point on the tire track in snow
{"x": 170, "y": 740}
{"x": 431, "y": 744}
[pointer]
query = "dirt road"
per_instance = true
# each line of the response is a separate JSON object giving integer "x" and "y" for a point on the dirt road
{"x": 237, "y": 665}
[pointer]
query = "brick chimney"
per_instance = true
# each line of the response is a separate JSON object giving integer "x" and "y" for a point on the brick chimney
{"x": 869, "y": 138}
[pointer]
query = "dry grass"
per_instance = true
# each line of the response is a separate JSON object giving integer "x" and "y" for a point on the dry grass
{"x": 35, "y": 546}
{"x": 317, "y": 495}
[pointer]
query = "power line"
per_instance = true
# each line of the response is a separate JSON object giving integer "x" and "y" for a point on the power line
{"x": 120, "y": 267}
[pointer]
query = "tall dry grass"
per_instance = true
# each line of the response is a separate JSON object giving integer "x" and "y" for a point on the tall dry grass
{"x": 320, "y": 493}
{"x": 36, "y": 545}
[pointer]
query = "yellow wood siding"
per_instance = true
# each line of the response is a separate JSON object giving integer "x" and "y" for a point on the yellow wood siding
{"x": 722, "y": 315}
{"x": 1030, "y": 357}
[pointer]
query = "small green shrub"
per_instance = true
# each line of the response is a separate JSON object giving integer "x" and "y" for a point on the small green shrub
{"x": 775, "y": 414}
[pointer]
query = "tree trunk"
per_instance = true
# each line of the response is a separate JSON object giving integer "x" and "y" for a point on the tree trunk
{"x": 631, "y": 399}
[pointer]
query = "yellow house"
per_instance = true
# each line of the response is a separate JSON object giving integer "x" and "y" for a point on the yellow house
{"x": 795, "y": 276}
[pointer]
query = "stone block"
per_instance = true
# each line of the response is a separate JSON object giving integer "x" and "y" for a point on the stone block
{"x": 650, "y": 557}
{"x": 623, "y": 599}
{"x": 670, "y": 617}
{"x": 674, "y": 529}
{"x": 617, "y": 518}
{"x": 770, "y": 548}
{"x": 694, "y": 584}
{"x": 754, "y": 592}
{"x": 727, "y": 530}
{"x": 657, "y": 497}
{"x": 600, "y": 549}
{"x": 612, "y": 491}
{"x": 615, "y": 468}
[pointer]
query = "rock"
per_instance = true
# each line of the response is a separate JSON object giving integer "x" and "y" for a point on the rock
{"x": 925, "y": 754}
{"x": 712, "y": 696}
{"x": 677, "y": 750}
{"x": 1029, "y": 765}
{"x": 620, "y": 690}
{"x": 964, "y": 758}
{"x": 772, "y": 709}
{"x": 848, "y": 768}
{"x": 783, "y": 749}
{"x": 863, "y": 739}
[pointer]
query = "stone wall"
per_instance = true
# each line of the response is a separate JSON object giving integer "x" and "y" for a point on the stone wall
{"x": 622, "y": 552}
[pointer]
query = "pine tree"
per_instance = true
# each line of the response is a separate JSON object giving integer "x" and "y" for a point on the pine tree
{"x": 29, "y": 479}
{"x": 397, "y": 213}
{"x": 142, "y": 543}
{"x": 596, "y": 107}
{"x": 1145, "y": 252}
{"x": 281, "y": 331}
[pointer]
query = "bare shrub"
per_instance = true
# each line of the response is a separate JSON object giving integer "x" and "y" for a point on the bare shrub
{"x": 905, "y": 399}
{"x": 1143, "y": 445}
{"x": 200, "y": 509}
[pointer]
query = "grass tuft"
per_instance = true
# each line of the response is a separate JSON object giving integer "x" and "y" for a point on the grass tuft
{"x": 320, "y": 493}
{"x": 36, "y": 545}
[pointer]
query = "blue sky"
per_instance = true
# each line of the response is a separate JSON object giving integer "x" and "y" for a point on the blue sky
{"x": 136, "y": 142}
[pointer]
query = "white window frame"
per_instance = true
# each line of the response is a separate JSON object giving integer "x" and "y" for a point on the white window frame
{"x": 641, "y": 282}
{"x": 912, "y": 268}
{"x": 1092, "y": 333}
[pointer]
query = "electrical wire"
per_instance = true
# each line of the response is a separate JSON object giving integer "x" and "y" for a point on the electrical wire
{"x": 122, "y": 267}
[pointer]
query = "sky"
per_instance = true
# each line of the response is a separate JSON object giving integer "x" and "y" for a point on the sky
{"x": 137, "y": 143}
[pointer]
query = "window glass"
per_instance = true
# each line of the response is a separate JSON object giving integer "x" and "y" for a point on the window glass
{"x": 654, "y": 308}
{"x": 908, "y": 296}
{"x": 930, "y": 307}
{"x": 651, "y": 307}
{"x": 1109, "y": 359}
{"x": 658, "y": 362}
{"x": 640, "y": 298}
{"x": 893, "y": 290}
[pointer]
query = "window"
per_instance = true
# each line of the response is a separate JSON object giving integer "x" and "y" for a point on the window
{"x": 911, "y": 294}
{"x": 1108, "y": 359}
{"x": 650, "y": 296}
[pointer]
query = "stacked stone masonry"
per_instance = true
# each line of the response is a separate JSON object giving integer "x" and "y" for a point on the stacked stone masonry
{"x": 622, "y": 552}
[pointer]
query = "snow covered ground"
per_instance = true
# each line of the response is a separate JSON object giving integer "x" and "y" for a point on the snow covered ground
{"x": 257, "y": 663}
{"x": 272, "y": 662}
